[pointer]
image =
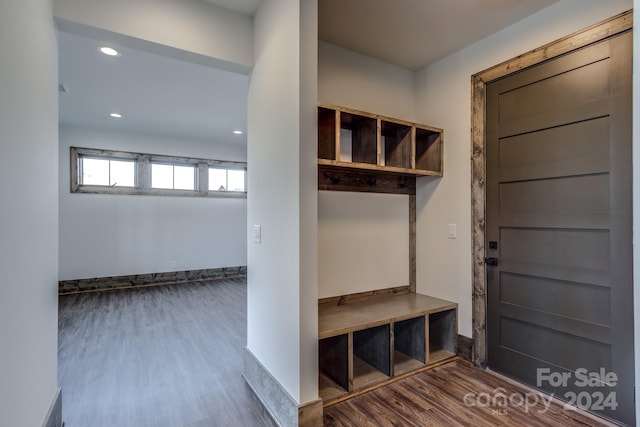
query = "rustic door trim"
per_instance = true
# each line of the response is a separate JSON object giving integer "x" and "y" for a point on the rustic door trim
{"x": 596, "y": 33}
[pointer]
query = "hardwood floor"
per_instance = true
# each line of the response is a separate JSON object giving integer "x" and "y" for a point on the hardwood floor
{"x": 443, "y": 397}
{"x": 171, "y": 356}
{"x": 161, "y": 356}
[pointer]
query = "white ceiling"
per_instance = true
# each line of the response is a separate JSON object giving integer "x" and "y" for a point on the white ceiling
{"x": 415, "y": 33}
{"x": 164, "y": 96}
{"x": 155, "y": 94}
{"x": 247, "y": 7}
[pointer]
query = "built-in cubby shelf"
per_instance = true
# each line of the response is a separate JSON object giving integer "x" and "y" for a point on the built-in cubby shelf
{"x": 372, "y": 338}
{"x": 357, "y": 140}
{"x": 366, "y": 343}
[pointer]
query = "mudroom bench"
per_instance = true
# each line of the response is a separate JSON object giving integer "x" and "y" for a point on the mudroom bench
{"x": 369, "y": 342}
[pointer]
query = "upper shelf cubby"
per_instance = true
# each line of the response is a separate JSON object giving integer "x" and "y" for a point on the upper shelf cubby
{"x": 352, "y": 139}
{"x": 395, "y": 144}
{"x": 361, "y": 144}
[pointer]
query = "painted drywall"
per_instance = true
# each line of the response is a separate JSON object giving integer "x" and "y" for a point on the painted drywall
{"x": 350, "y": 79}
{"x": 196, "y": 30}
{"x": 281, "y": 121}
{"x": 307, "y": 141}
{"x": 110, "y": 235}
{"x": 28, "y": 212}
{"x": 363, "y": 239}
{"x": 636, "y": 202}
{"x": 443, "y": 99}
{"x": 363, "y": 242}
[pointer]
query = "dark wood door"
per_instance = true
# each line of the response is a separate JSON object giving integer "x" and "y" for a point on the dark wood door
{"x": 559, "y": 224}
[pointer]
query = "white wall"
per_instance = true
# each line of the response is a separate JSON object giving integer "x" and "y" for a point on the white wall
{"x": 363, "y": 242}
{"x": 28, "y": 212}
{"x": 363, "y": 239}
{"x": 198, "y": 31}
{"x": 308, "y": 191}
{"x": 443, "y": 99}
{"x": 350, "y": 79}
{"x": 110, "y": 235}
{"x": 282, "y": 287}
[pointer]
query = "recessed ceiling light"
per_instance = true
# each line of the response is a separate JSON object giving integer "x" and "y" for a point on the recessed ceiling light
{"x": 237, "y": 132}
{"x": 109, "y": 51}
{"x": 116, "y": 115}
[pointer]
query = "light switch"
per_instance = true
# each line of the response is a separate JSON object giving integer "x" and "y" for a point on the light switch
{"x": 452, "y": 231}
{"x": 257, "y": 234}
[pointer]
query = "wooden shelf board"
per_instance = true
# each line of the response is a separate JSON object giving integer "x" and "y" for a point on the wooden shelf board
{"x": 365, "y": 375}
{"x": 404, "y": 364}
{"x": 377, "y": 168}
{"x": 341, "y": 319}
{"x": 329, "y": 390}
{"x": 440, "y": 355}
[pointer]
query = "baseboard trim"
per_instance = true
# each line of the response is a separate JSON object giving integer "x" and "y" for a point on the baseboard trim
{"x": 278, "y": 402}
{"x": 465, "y": 346}
{"x": 151, "y": 279}
{"x": 54, "y": 414}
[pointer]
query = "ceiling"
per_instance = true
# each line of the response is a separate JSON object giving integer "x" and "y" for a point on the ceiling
{"x": 408, "y": 33}
{"x": 246, "y": 7}
{"x": 415, "y": 33}
{"x": 159, "y": 95}
{"x": 155, "y": 94}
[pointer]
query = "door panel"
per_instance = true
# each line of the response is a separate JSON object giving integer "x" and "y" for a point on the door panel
{"x": 559, "y": 222}
{"x": 573, "y": 149}
{"x": 577, "y": 301}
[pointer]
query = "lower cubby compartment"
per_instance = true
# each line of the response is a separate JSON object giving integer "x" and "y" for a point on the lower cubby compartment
{"x": 409, "y": 345}
{"x": 334, "y": 366}
{"x": 371, "y": 356}
{"x": 366, "y": 375}
{"x": 328, "y": 389}
{"x": 442, "y": 335}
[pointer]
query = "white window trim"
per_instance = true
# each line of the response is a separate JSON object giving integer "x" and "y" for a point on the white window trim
{"x": 143, "y": 178}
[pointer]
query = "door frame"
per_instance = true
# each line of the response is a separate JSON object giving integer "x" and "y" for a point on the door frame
{"x": 596, "y": 33}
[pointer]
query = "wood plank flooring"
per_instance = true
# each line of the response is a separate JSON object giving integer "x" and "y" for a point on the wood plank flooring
{"x": 171, "y": 356}
{"x": 437, "y": 398}
{"x": 163, "y": 356}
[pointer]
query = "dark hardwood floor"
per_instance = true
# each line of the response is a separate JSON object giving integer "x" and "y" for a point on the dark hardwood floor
{"x": 454, "y": 394}
{"x": 160, "y": 356}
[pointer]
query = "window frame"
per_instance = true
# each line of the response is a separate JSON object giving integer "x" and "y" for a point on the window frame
{"x": 143, "y": 174}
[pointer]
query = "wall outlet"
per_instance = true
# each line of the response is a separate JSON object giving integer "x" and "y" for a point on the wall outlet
{"x": 452, "y": 231}
{"x": 172, "y": 264}
{"x": 257, "y": 234}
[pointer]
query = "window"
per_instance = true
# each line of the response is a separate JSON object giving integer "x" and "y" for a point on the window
{"x": 226, "y": 179}
{"x": 107, "y": 172}
{"x": 118, "y": 172}
{"x": 173, "y": 177}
